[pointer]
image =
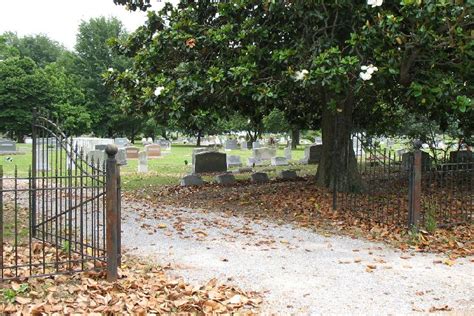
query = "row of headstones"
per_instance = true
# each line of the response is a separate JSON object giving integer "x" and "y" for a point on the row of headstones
{"x": 228, "y": 178}
{"x": 210, "y": 160}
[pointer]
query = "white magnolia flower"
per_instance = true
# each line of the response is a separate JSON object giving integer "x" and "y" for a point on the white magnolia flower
{"x": 374, "y": 3}
{"x": 301, "y": 74}
{"x": 367, "y": 72}
{"x": 365, "y": 76}
{"x": 371, "y": 69}
{"x": 158, "y": 90}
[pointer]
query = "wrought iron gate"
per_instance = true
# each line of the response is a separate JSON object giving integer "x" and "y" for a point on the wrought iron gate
{"x": 62, "y": 215}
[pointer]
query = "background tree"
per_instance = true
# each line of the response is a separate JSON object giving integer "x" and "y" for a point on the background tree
{"x": 23, "y": 87}
{"x": 95, "y": 58}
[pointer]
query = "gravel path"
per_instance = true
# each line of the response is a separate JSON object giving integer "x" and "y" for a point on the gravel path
{"x": 298, "y": 271}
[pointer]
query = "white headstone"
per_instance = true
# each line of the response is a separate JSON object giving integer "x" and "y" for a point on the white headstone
{"x": 142, "y": 162}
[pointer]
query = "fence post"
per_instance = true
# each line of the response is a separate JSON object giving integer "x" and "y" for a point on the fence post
{"x": 112, "y": 213}
{"x": 414, "y": 197}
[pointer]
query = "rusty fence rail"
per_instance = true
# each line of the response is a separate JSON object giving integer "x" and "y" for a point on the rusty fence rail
{"x": 408, "y": 189}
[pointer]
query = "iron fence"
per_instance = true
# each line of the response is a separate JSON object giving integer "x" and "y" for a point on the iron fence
{"x": 409, "y": 188}
{"x": 63, "y": 217}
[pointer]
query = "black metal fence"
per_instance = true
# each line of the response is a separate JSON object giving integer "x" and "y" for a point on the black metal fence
{"x": 63, "y": 216}
{"x": 409, "y": 188}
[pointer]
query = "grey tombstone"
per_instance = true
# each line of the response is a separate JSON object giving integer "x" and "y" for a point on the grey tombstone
{"x": 201, "y": 150}
{"x": 288, "y": 153}
{"x": 142, "y": 162}
{"x": 100, "y": 147}
{"x": 121, "y": 157}
{"x": 259, "y": 177}
{"x": 165, "y": 144}
{"x": 191, "y": 180}
{"x": 288, "y": 175}
{"x": 318, "y": 140}
{"x": 279, "y": 161}
{"x": 245, "y": 145}
{"x": 231, "y": 144}
{"x": 42, "y": 160}
{"x": 312, "y": 154}
{"x": 97, "y": 158}
{"x": 209, "y": 162}
{"x": 256, "y": 145}
{"x": 225, "y": 179}
{"x": 251, "y": 161}
{"x": 233, "y": 161}
{"x": 28, "y": 140}
{"x": 263, "y": 153}
{"x": 7, "y": 146}
{"x": 121, "y": 142}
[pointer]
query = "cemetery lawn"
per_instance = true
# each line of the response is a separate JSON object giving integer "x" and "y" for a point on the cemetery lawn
{"x": 166, "y": 170}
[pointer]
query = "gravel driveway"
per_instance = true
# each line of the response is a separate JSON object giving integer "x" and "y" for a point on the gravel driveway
{"x": 297, "y": 270}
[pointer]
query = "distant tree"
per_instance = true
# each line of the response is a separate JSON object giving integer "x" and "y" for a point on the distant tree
{"x": 95, "y": 57}
{"x": 23, "y": 87}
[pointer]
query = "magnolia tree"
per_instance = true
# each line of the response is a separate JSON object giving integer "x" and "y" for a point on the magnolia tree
{"x": 351, "y": 64}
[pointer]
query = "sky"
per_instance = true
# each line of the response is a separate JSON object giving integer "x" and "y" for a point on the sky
{"x": 59, "y": 19}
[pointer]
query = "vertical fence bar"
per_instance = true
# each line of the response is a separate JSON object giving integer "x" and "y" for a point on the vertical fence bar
{"x": 33, "y": 174}
{"x": 112, "y": 214}
{"x": 119, "y": 216}
{"x": 415, "y": 191}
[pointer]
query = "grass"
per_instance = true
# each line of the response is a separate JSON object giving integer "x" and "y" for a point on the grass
{"x": 167, "y": 170}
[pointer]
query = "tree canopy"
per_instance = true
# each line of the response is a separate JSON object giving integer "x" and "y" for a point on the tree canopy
{"x": 343, "y": 65}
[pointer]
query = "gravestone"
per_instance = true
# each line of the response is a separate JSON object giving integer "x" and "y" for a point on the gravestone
{"x": 251, "y": 161}
{"x": 132, "y": 152}
{"x": 231, "y": 144}
{"x": 461, "y": 156}
{"x": 191, "y": 180}
{"x": 263, "y": 153}
{"x": 209, "y": 162}
{"x": 259, "y": 177}
{"x": 225, "y": 178}
{"x": 233, "y": 161}
{"x": 28, "y": 140}
{"x": 121, "y": 142}
{"x": 7, "y": 146}
{"x": 121, "y": 157}
{"x": 312, "y": 154}
{"x": 153, "y": 150}
{"x": 42, "y": 160}
{"x": 245, "y": 145}
{"x": 318, "y": 140}
{"x": 97, "y": 158}
{"x": 407, "y": 161}
{"x": 142, "y": 162}
{"x": 288, "y": 153}
{"x": 164, "y": 144}
{"x": 279, "y": 161}
{"x": 256, "y": 145}
{"x": 288, "y": 175}
{"x": 100, "y": 147}
{"x": 201, "y": 150}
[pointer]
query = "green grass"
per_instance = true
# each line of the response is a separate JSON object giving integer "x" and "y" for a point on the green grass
{"x": 165, "y": 170}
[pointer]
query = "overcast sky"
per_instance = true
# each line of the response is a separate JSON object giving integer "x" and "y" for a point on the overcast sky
{"x": 59, "y": 19}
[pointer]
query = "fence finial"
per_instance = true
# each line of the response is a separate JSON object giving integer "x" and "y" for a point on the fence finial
{"x": 111, "y": 150}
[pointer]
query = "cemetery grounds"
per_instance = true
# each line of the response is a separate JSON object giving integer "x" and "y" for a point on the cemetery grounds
{"x": 272, "y": 248}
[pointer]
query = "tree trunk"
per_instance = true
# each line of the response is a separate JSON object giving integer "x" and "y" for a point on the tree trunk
{"x": 295, "y": 138}
{"x": 199, "y": 135}
{"x": 338, "y": 165}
